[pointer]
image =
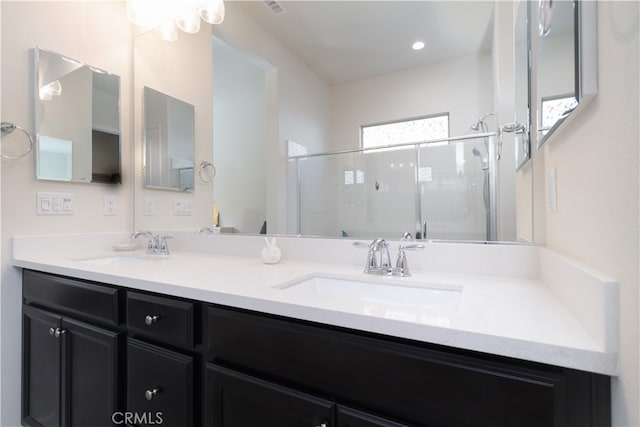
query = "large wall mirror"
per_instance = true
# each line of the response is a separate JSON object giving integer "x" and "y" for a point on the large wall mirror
{"x": 300, "y": 96}
{"x": 168, "y": 142}
{"x": 566, "y": 62}
{"x": 77, "y": 120}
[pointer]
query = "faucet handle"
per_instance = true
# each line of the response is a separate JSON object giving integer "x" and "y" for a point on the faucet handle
{"x": 402, "y": 266}
{"x": 163, "y": 247}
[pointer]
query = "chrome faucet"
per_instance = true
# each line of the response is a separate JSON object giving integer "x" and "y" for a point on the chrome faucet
{"x": 378, "y": 259}
{"x": 157, "y": 244}
{"x": 379, "y": 262}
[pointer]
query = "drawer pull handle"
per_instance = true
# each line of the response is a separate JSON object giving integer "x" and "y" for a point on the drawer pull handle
{"x": 150, "y": 320}
{"x": 57, "y": 332}
{"x": 323, "y": 425}
{"x": 150, "y": 394}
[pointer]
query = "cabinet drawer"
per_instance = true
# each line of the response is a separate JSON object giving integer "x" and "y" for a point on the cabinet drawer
{"x": 79, "y": 298}
{"x": 160, "y": 384}
{"x": 164, "y": 319}
{"x": 238, "y": 400}
{"x": 429, "y": 386}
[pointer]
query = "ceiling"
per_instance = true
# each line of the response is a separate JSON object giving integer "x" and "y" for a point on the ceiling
{"x": 350, "y": 40}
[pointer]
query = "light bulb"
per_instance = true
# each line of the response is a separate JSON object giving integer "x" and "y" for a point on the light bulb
{"x": 47, "y": 92}
{"x": 212, "y": 11}
{"x": 167, "y": 31}
{"x": 188, "y": 20}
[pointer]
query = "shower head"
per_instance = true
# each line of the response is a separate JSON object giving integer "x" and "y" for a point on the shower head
{"x": 480, "y": 123}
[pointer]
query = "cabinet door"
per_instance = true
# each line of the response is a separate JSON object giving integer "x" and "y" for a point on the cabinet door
{"x": 348, "y": 417}
{"x": 237, "y": 400}
{"x": 41, "y": 379}
{"x": 90, "y": 369}
{"x": 160, "y": 385}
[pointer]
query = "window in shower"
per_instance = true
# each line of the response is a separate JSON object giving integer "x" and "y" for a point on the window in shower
{"x": 555, "y": 107}
{"x": 406, "y": 131}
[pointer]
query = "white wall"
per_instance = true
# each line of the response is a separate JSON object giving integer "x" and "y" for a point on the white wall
{"x": 101, "y": 37}
{"x": 463, "y": 87}
{"x": 596, "y": 157}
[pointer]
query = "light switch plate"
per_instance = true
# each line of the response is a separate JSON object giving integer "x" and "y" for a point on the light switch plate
{"x": 54, "y": 203}
{"x": 182, "y": 207}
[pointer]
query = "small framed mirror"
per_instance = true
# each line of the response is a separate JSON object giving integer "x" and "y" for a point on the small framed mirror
{"x": 565, "y": 63}
{"x": 77, "y": 120}
{"x": 168, "y": 148}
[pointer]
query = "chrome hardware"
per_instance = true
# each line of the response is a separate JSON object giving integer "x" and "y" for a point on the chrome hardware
{"x": 150, "y": 320}
{"x": 323, "y": 425}
{"x": 157, "y": 244}
{"x": 7, "y": 128}
{"x": 57, "y": 332}
{"x": 406, "y": 236}
{"x": 379, "y": 262}
{"x": 150, "y": 394}
{"x": 402, "y": 267}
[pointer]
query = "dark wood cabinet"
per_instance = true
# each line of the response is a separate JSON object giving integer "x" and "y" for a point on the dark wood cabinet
{"x": 70, "y": 371}
{"x": 160, "y": 382}
{"x": 41, "y": 373}
{"x": 349, "y": 417}
{"x": 238, "y": 400}
{"x": 415, "y": 383}
{"x": 183, "y": 363}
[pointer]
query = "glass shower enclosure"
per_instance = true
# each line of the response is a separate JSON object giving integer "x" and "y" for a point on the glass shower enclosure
{"x": 442, "y": 189}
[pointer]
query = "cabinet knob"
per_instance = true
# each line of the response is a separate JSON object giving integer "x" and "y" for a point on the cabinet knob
{"x": 150, "y": 320}
{"x": 150, "y": 394}
{"x": 56, "y": 332}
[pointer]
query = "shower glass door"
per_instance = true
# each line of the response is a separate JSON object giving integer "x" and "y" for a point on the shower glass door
{"x": 358, "y": 194}
{"x": 454, "y": 181}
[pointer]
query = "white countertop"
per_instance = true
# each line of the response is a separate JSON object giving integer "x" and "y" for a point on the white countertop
{"x": 510, "y": 316}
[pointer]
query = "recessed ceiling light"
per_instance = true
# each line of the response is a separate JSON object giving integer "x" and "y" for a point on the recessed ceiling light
{"x": 417, "y": 45}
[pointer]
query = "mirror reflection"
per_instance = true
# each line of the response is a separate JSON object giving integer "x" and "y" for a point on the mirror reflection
{"x": 295, "y": 95}
{"x": 556, "y": 64}
{"x": 77, "y": 120}
{"x": 522, "y": 87}
{"x": 168, "y": 142}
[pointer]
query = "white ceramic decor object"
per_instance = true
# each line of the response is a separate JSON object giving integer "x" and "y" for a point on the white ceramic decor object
{"x": 271, "y": 254}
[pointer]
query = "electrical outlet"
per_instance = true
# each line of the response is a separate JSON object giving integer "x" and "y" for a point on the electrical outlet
{"x": 553, "y": 190}
{"x": 148, "y": 206}
{"x": 109, "y": 206}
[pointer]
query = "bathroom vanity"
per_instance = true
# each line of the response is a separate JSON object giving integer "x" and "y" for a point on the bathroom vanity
{"x": 115, "y": 336}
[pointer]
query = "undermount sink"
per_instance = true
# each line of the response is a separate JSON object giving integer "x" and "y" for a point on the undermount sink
{"x": 382, "y": 296}
{"x": 121, "y": 260}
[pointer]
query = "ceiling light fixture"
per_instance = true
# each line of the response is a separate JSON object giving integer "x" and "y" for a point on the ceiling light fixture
{"x": 167, "y": 16}
{"x": 417, "y": 45}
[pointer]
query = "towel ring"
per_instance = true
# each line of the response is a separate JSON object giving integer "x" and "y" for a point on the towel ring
{"x": 7, "y": 128}
{"x": 208, "y": 170}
